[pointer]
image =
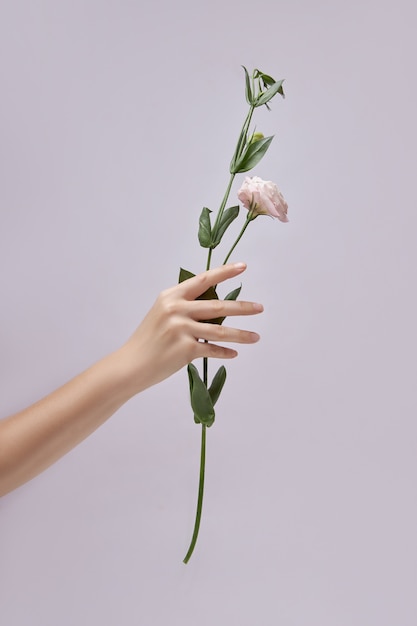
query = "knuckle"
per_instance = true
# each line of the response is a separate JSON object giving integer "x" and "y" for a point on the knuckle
{"x": 191, "y": 350}
{"x": 173, "y": 328}
{"x": 162, "y": 300}
{"x": 223, "y": 352}
{"x": 219, "y": 352}
{"x": 222, "y": 332}
{"x": 246, "y": 336}
{"x": 201, "y": 282}
{"x": 214, "y": 351}
{"x": 165, "y": 294}
{"x": 240, "y": 336}
{"x": 172, "y": 308}
{"x": 217, "y": 307}
{"x": 168, "y": 304}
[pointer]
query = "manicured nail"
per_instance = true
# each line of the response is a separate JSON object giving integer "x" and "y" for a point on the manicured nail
{"x": 239, "y": 266}
{"x": 255, "y": 336}
{"x": 258, "y": 307}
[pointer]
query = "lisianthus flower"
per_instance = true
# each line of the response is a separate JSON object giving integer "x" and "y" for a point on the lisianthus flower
{"x": 262, "y": 197}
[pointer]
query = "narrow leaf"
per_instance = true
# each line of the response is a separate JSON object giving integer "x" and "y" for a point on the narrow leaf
{"x": 191, "y": 384}
{"x": 217, "y": 384}
{"x": 270, "y": 93}
{"x": 253, "y": 154}
{"x": 267, "y": 80}
{"x": 228, "y": 217}
{"x": 241, "y": 142}
{"x": 233, "y": 295}
{"x": 204, "y": 229}
{"x": 248, "y": 90}
{"x": 201, "y": 401}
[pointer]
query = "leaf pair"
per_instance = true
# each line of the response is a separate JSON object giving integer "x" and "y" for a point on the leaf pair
{"x": 203, "y": 399}
{"x": 251, "y": 155}
{"x": 208, "y": 237}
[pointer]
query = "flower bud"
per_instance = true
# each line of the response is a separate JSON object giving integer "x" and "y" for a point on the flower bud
{"x": 256, "y": 137}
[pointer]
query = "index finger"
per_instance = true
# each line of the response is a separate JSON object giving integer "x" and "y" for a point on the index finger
{"x": 195, "y": 286}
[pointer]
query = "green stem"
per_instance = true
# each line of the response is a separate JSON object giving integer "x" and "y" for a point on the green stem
{"x": 239, "y": 237}
{"x": 202, "y": 457}
{"x": 243, "y": 135}
{"x": 240, "y": 146}
{"x": 209, "y": 258}
{"x": 238, "y": 151}
{"x": 203, "y": 428}
{"x": 200, "y": 495}
{"x": 222, "y": 207}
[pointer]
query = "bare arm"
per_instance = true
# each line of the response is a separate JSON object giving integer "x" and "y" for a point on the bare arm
{"x": 167, "y": 339}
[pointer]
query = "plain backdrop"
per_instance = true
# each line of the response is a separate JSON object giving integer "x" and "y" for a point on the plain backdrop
{"x": 118, "y": 119}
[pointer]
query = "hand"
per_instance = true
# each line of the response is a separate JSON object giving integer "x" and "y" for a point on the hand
{"x": 172, "y": 334}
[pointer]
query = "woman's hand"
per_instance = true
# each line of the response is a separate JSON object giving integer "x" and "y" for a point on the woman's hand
{"x": 172, "y": 334}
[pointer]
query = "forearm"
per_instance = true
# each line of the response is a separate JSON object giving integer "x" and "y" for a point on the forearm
{"x": 33, "y": 439}
{"x": 170, "y": 336}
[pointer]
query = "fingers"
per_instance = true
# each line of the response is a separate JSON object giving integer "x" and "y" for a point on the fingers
{"x": 194, "y": 287}
{"x": 212, "y": 351}
{"x": 211, "y": 309}
{"x": 215, "y": 332}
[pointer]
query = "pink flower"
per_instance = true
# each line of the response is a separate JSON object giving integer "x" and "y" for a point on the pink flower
{"x": 262, "y": 197}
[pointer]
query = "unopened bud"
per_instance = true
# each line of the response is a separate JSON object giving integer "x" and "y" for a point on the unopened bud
{"x": 256, "y": 137}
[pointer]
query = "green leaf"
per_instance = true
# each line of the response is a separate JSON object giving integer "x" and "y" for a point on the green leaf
{"x": 201, "y": 402}
{"x": 228, "y": 217}
{"x": 249, "y": 96}
{"x": 267, "y": 80}
{"x": 253, "y": 154}
{"x": 217, "y": 384}
{"x": 184, "y": 275}
{"x": 204, "y": 229}
{"x": 233, "y": 295}
{"x": 210, "y": 294}
{"x": 270, "y": 93}
{"x": 243, "y": 137}
{"x": 191, "y": 385}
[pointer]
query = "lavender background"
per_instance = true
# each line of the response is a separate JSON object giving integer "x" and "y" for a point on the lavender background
{"x": 117, "y": 123}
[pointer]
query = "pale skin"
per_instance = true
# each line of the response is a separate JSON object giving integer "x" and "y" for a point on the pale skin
{"x": 171, "y": 335}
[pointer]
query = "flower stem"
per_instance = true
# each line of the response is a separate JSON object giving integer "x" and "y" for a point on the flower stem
{"x": 239, "y": 237}
{"x": 221, "y": 209}
{"x": 200, "y": 495}
{"x": 209, "y": 258}
{"x": 238, "y": 151}
{"x": 202, "y": 458}
{"x": 240, "y": 146}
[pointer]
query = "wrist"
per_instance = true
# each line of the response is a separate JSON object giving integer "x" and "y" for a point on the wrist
{"x": 130, "y": 373}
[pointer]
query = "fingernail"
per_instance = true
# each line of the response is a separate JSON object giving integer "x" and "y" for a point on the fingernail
{"x": 255, "y": 336}
{"x": 258, "y": 307}
{"x": 239, "y": 266}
